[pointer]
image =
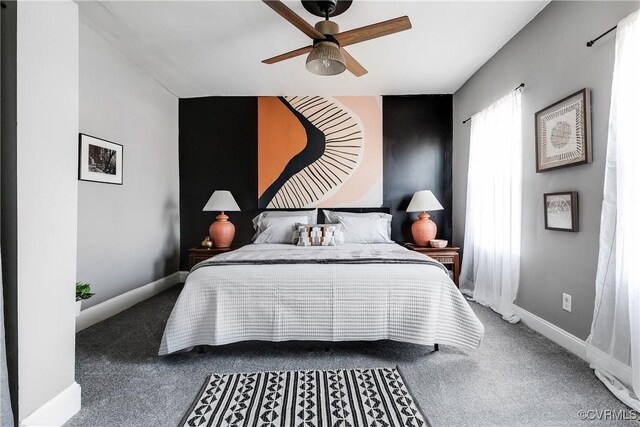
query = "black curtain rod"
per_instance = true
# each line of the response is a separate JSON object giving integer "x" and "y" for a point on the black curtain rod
{"x": 521, "y": 85}
{"x": 591, "y": 42}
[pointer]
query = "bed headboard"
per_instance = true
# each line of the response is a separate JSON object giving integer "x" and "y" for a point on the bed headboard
{"x": 321, "y": 216}
{"x": 355, "y": 210}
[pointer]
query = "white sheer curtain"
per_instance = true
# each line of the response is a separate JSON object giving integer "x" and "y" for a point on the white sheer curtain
{"x": 613, "y": 347}
{"x": 491, "y": 264}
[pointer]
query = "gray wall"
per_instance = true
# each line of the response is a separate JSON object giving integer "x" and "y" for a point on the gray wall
{"x": 549, "y": 55}
{"x": 128, "y": 235}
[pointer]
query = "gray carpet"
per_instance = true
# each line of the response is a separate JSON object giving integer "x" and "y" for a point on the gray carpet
{"x": 516, "y": 377}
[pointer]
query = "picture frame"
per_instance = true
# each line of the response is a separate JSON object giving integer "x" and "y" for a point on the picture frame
{"x": 100, "y": 160}
{"x": 563, "y": 133}
{"x": 561, "y": 211}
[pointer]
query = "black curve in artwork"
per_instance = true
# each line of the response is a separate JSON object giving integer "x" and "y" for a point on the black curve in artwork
{"x": 314, "y": 149}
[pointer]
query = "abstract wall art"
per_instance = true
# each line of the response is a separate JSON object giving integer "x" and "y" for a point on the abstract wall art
{"x": 316, "y": 151}
{"x": 561, "y": 211}
{"x": 563, "y": 133}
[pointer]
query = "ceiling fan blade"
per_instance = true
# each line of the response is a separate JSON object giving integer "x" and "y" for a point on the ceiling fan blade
{"x": 373, "y": 31}
{"x": 352, "y": 65}
{"x": 296, "y": 20}
{"x": 288, "y": 55}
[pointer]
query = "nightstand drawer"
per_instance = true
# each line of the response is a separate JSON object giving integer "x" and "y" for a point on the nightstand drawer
{"x": 196, "y": 259}
{"x": 443, "y": 259}
{"x": 197, "y": 255}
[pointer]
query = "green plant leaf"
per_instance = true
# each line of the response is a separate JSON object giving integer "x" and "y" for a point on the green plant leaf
{"x": 83, "y": 291}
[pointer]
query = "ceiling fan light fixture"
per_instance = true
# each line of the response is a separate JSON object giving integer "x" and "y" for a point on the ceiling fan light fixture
{"x": 326, "y": 59}
{"x": 327, "y": 56}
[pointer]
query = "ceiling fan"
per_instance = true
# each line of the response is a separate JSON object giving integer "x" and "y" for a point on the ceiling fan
{"x": 327, "y": 56}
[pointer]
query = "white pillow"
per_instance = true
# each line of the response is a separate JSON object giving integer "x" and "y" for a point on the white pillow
{"x": 312, "y": 218}
{"x": 365, "y": 229}
{"x": 369, "y": 227}
{"x": 278, "y": 229}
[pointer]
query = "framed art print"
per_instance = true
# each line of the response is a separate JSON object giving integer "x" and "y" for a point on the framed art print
{"x": 563, "y": 133}
{"x": 100, "y": 160}
{"x": 561, "y": 211}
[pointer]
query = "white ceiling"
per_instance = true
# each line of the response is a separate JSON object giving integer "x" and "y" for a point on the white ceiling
{"x": 204, "y": 48}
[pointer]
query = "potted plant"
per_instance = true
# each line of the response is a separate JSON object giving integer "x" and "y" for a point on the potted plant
{"x": 83, "y": 291}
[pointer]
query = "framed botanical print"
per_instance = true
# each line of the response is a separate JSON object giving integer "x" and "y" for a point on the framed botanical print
{"x": 563, "y": 133}
{"x": 561, "y": 211}
{"x": 100, "y": 160}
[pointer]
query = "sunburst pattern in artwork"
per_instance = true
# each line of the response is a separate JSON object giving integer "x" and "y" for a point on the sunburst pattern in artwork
{"x": 328, "y": 141}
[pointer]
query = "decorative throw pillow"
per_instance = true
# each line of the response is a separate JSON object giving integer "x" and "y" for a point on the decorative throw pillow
{"x": 278, "y": 229}
{"x": 312, "y": 218}
{"x": 370, "y": 227}
{"x": 317, "y": 235}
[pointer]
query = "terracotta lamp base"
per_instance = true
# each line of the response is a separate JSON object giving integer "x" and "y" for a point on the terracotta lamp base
{"x": 222, "y": 231}
{"x": 423, "y": 230}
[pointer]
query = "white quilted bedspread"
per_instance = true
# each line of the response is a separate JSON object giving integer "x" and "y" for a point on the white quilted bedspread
{"x": 334, "y": 301}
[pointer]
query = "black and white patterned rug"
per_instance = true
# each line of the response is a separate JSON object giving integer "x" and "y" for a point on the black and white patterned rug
{"x": 344, "y": 397}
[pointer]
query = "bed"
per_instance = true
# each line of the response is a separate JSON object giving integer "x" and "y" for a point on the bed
{"x": 349, "y": 292}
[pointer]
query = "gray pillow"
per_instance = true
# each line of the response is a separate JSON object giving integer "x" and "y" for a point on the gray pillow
{"x": 312, "y": 218}
{"x": 370, "y": 227}
{"x": 278, "y": 229}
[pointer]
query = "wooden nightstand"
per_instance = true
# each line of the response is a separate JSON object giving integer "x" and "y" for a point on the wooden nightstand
{"x": 199, "y": 254}
{"x": 449, "y": 256}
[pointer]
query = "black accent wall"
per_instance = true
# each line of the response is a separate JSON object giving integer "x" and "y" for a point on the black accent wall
{"x": 417, "y": 142}
{"x": 219, "y": 150}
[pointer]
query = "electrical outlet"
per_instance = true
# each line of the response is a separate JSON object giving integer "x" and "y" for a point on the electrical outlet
{"x": 566, "y": 302}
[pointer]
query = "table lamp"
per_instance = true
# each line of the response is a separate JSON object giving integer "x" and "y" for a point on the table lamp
{"x": 221, "y": 230}
{"x": 423, "y": 229}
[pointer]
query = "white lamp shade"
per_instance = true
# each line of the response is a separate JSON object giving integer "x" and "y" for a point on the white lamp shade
{"x": 423, "y": 201}
{"x": 221, "y": 200}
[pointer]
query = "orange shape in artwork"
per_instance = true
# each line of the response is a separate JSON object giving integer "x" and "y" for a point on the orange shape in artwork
{"x": 280, "y": 137}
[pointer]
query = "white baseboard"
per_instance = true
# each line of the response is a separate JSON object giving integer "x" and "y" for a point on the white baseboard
{"x": 605, "y": 363}
{"x": 58, "y": 410}
{"x": 597, "y": 358}
{"x": 561, "y": 337}
{"x": 113, "y": 306}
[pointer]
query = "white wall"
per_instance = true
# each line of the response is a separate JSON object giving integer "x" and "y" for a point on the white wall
{"x": 549, "y": 55}
{"x": 128, "y": 235}
{"x": 47, "y": 149}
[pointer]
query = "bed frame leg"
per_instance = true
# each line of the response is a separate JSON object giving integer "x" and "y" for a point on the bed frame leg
{"x": 436, "y": 347}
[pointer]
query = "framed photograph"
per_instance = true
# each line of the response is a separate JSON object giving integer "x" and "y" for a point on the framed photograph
{"x": 100, "y": 160}
{"x": 561, "y": 211}
{"x": 563, "y": 133}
